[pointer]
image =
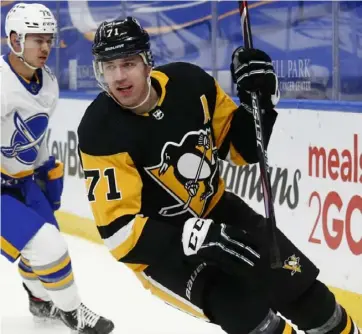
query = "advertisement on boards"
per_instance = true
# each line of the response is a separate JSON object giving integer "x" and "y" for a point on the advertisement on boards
{"x": 316, "y": 177}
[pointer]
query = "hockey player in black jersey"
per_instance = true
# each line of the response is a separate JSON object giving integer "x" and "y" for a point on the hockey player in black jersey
{"x": 150, "y": 145}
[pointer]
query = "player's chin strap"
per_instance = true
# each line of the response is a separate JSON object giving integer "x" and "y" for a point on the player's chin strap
{"x": 27, "y": 64}
{"x": 20, "y": 54}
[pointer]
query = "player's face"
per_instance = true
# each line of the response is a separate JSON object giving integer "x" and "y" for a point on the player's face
{"x": 127, "y": 79}
{"x": 37, "y": 48}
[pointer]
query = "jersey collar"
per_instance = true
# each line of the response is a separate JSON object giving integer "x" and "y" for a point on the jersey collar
{"x": 159, "y": 81}
{"x": 33, "y": 85}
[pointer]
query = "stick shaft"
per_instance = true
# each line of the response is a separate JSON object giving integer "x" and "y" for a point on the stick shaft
{"x": 262, "y": 153}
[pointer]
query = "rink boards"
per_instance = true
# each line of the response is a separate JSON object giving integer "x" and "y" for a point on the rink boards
{"x": 316, "y": 174}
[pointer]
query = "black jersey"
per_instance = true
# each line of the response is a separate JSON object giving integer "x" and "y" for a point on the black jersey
{"x": 147, "y": 174}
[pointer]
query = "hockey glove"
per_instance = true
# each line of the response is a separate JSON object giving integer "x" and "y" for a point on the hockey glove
{"x": 225, "y": 246}
{"x": 252, "y": 71}
{"x": 50, "y": 177}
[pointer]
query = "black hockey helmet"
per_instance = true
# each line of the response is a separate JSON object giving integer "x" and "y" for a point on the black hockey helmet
{"x": 121, "y": 38}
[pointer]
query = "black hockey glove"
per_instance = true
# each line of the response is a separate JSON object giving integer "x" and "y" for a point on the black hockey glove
{"x": 227, "y": 247}
{"x": 252, "y": 71}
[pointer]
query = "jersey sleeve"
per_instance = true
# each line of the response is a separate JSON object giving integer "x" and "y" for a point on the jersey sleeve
{"x": 43, "y": 154}
{"x": 5, "y": 103}
{"x": 222, "y": 120}
{"x": 54, "y": 87}
{"x": 234, "y": 129}
{"x": 114, "y": 189}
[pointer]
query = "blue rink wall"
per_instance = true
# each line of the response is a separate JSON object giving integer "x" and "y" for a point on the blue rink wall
{"x": 317, "y": 105}
{"x": 315, "y": 155}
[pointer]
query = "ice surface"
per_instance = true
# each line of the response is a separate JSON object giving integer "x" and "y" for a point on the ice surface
{"x": 107, "y": 287}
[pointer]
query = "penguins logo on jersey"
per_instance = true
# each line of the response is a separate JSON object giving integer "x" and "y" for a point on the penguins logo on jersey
{"x": 292, "y": 264}
{"x": 27, "y": 138}
{"x": 186, "y": 172}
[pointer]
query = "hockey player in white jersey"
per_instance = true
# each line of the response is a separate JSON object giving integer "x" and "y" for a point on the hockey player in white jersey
{"x": 31, "y": 180}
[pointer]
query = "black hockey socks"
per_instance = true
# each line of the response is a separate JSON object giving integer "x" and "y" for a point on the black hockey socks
{"x": 312, "y": 309}
{"x": 273, "y": 324}
{"x": 317, "y": 312}
{"x": 339, "y": 322}
{"x": 239, "y": 309}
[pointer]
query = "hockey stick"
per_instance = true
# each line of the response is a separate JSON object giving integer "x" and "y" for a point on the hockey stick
{"x": 275, "y": 261}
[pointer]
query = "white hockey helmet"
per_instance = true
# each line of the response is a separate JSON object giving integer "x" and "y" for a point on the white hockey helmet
{"x": 33, "y": 18}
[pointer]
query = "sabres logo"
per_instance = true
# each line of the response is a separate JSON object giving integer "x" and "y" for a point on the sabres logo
{"x": 26, "y": 140}
{"x": 186, "y": 171}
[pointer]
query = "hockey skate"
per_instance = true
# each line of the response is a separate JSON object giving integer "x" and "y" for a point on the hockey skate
{"x": 43, "y": 311}
{"x": 83, "y": 320}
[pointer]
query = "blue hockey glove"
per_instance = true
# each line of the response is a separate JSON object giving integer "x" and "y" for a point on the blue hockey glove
{"x": 50, "y": 178}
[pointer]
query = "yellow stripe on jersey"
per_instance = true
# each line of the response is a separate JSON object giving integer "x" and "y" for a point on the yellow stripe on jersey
{"x": 132, "y": 239}
{"x": 9, "y": 249}
{"x": 235, "y": 157}
{"x": 28, "y": 81}
{"x": 105, "y": 211}
{"x": 17, "y": 175}
{"x": 169, "y": 297}
{"x": 223, "y": 114}
{"x": 36, "y": 77}
{"x": 205, "y": 107}
{"x": 162, "y": 79}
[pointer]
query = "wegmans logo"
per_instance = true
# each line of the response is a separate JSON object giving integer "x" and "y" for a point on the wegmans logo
{"x": 245, "y": 182}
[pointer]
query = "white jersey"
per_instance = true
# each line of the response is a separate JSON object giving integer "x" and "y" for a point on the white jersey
{"x": 25, "y": 111}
